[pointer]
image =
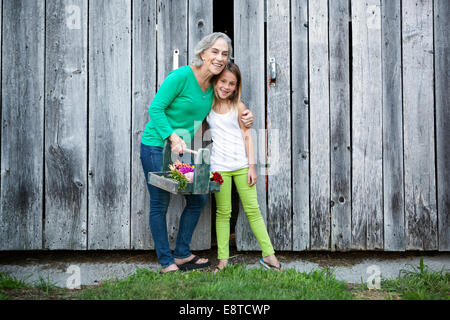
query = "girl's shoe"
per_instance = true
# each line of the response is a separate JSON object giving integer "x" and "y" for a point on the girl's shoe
{"x": 217, "y": 269}
{"x": 268, "y": 266}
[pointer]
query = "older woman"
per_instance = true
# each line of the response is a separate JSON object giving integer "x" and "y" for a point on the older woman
{"x": 181, "y": 104}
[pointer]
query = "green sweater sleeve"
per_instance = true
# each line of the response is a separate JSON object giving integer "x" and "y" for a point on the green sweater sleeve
{"x": 166, "y": 93}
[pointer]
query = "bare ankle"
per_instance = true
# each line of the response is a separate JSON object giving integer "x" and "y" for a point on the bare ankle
{"x": 223, "y": 262}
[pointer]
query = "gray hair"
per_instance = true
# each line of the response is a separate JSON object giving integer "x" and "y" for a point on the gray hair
{"x": 206, "y": 43}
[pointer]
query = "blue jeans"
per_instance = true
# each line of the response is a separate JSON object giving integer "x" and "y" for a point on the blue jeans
{"x": 151, "y": 158}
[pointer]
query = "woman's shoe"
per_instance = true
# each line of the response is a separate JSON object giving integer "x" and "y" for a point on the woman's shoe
{"x": 191, "y": 264}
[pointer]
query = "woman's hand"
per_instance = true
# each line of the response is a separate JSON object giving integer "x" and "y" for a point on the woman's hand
{"x": 178, "y": 144}
{"x": 247, "y": 118}
{"x": 252, "y": 176}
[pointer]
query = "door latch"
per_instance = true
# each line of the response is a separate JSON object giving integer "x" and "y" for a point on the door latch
{"x": 272, "y": 70}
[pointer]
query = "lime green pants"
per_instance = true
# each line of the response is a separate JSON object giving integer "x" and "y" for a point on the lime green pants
{"x": 249, "y": 201}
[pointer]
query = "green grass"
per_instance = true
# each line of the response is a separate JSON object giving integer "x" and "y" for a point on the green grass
{"x": 8, "y": 283}
{"x": 235, "y": 282}
{"x": 420, "y": 283}
{"x": 41, "y": 288}
{"x": 238, "y": 283}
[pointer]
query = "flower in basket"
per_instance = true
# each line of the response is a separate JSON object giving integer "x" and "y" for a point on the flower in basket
{"x": 182, "y": 173}
{"x": 215, "y": 176}
{"x": 176, "y": 175}
{"x": 178, "y": 164}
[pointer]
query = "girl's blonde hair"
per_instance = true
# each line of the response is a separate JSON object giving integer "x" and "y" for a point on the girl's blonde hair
{"x": 235, "y": 97}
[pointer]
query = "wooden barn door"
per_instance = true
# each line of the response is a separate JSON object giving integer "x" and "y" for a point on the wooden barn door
{"x": 350, "y": 139}
{"x": 351, "y": 133}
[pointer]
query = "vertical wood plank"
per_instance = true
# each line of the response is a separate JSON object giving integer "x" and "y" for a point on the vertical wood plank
{"x": 172, "y": 36}
{"x": 143, "y": 88}
{"x": 319, "y": 125}
{"x": 279, "y": 127}
{"x": 300, "y": 125}
{"x": 367, "y": 208}
{"x": 393, "y": 189}
{"x": 66, "y": 125}
{"x": 1, "y": 122}
{"x": 3, "y": 216}
{"x": 249, "y": 55}
{"x": 340, "y": 165}
{"x": 200, "y": 24}
{"x": 418, "y": 114}
{"x": 442, "y": 76}
{"x": 22, "y": 136}
{"x": 109, "y": 124}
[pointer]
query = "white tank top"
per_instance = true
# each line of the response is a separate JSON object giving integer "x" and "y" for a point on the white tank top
{"x": 228, "y": 149}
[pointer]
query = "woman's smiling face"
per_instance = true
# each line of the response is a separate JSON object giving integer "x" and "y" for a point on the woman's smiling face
{"x": 225, "y": 85}
{"x": 215, "y": 57}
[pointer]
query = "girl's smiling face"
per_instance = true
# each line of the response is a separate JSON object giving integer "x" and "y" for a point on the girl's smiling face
{"x": 225, "y": 85}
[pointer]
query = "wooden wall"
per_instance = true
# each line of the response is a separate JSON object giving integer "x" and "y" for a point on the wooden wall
{"x": 352, "y": 137}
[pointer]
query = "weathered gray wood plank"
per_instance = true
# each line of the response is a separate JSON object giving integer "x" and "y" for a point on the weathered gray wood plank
{"x": 248, "y": 52}
{"x": 418, "y": 115}
{"x": 1, "y": 123}
{"x": 22, "y": 136}
{"x": 442, "y": 76}
{"x": 300, "y": 125}
{"x": 143, "y": 88}
{"x": 340, "y": 125}
{"x": 319, "y": 125}
{"x": 109, "y": 124}
{"x": 367, "y": 201}
{"x": 200, "y": 24}
{"x": 393, "y": 189}
{"x": 279, "y": 127}
{"x": 172, "y": 35}
{"x": 66, "y": 125}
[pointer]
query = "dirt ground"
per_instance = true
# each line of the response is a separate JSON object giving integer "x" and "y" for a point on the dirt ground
{"x": 322, "y": 258}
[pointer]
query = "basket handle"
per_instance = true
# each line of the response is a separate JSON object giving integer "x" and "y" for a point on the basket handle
{"x": 190, "y": 151}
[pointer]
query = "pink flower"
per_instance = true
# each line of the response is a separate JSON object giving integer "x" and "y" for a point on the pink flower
{"x": 185, "y": 170}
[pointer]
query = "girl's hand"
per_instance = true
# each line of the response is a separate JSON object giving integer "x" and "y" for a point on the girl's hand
{"x": 252, "y": 176}
{"x": 178, "y": 144}
{"x": 247, "y": 118}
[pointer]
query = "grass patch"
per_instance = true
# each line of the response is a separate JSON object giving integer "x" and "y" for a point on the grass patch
{"x": 9, "y": 282}
{"x": 12, "y": 288}
{"x": 420, "y": 283}
{"x": 233, "y": 283}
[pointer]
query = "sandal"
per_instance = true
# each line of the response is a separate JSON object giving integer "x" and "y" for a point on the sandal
{"x": 217, "y": 269}
{"x": 268, "y": 266}
{"x": 191, "y": 264}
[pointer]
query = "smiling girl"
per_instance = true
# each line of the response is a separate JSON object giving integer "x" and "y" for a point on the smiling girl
{"x": 233, "y": 157}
